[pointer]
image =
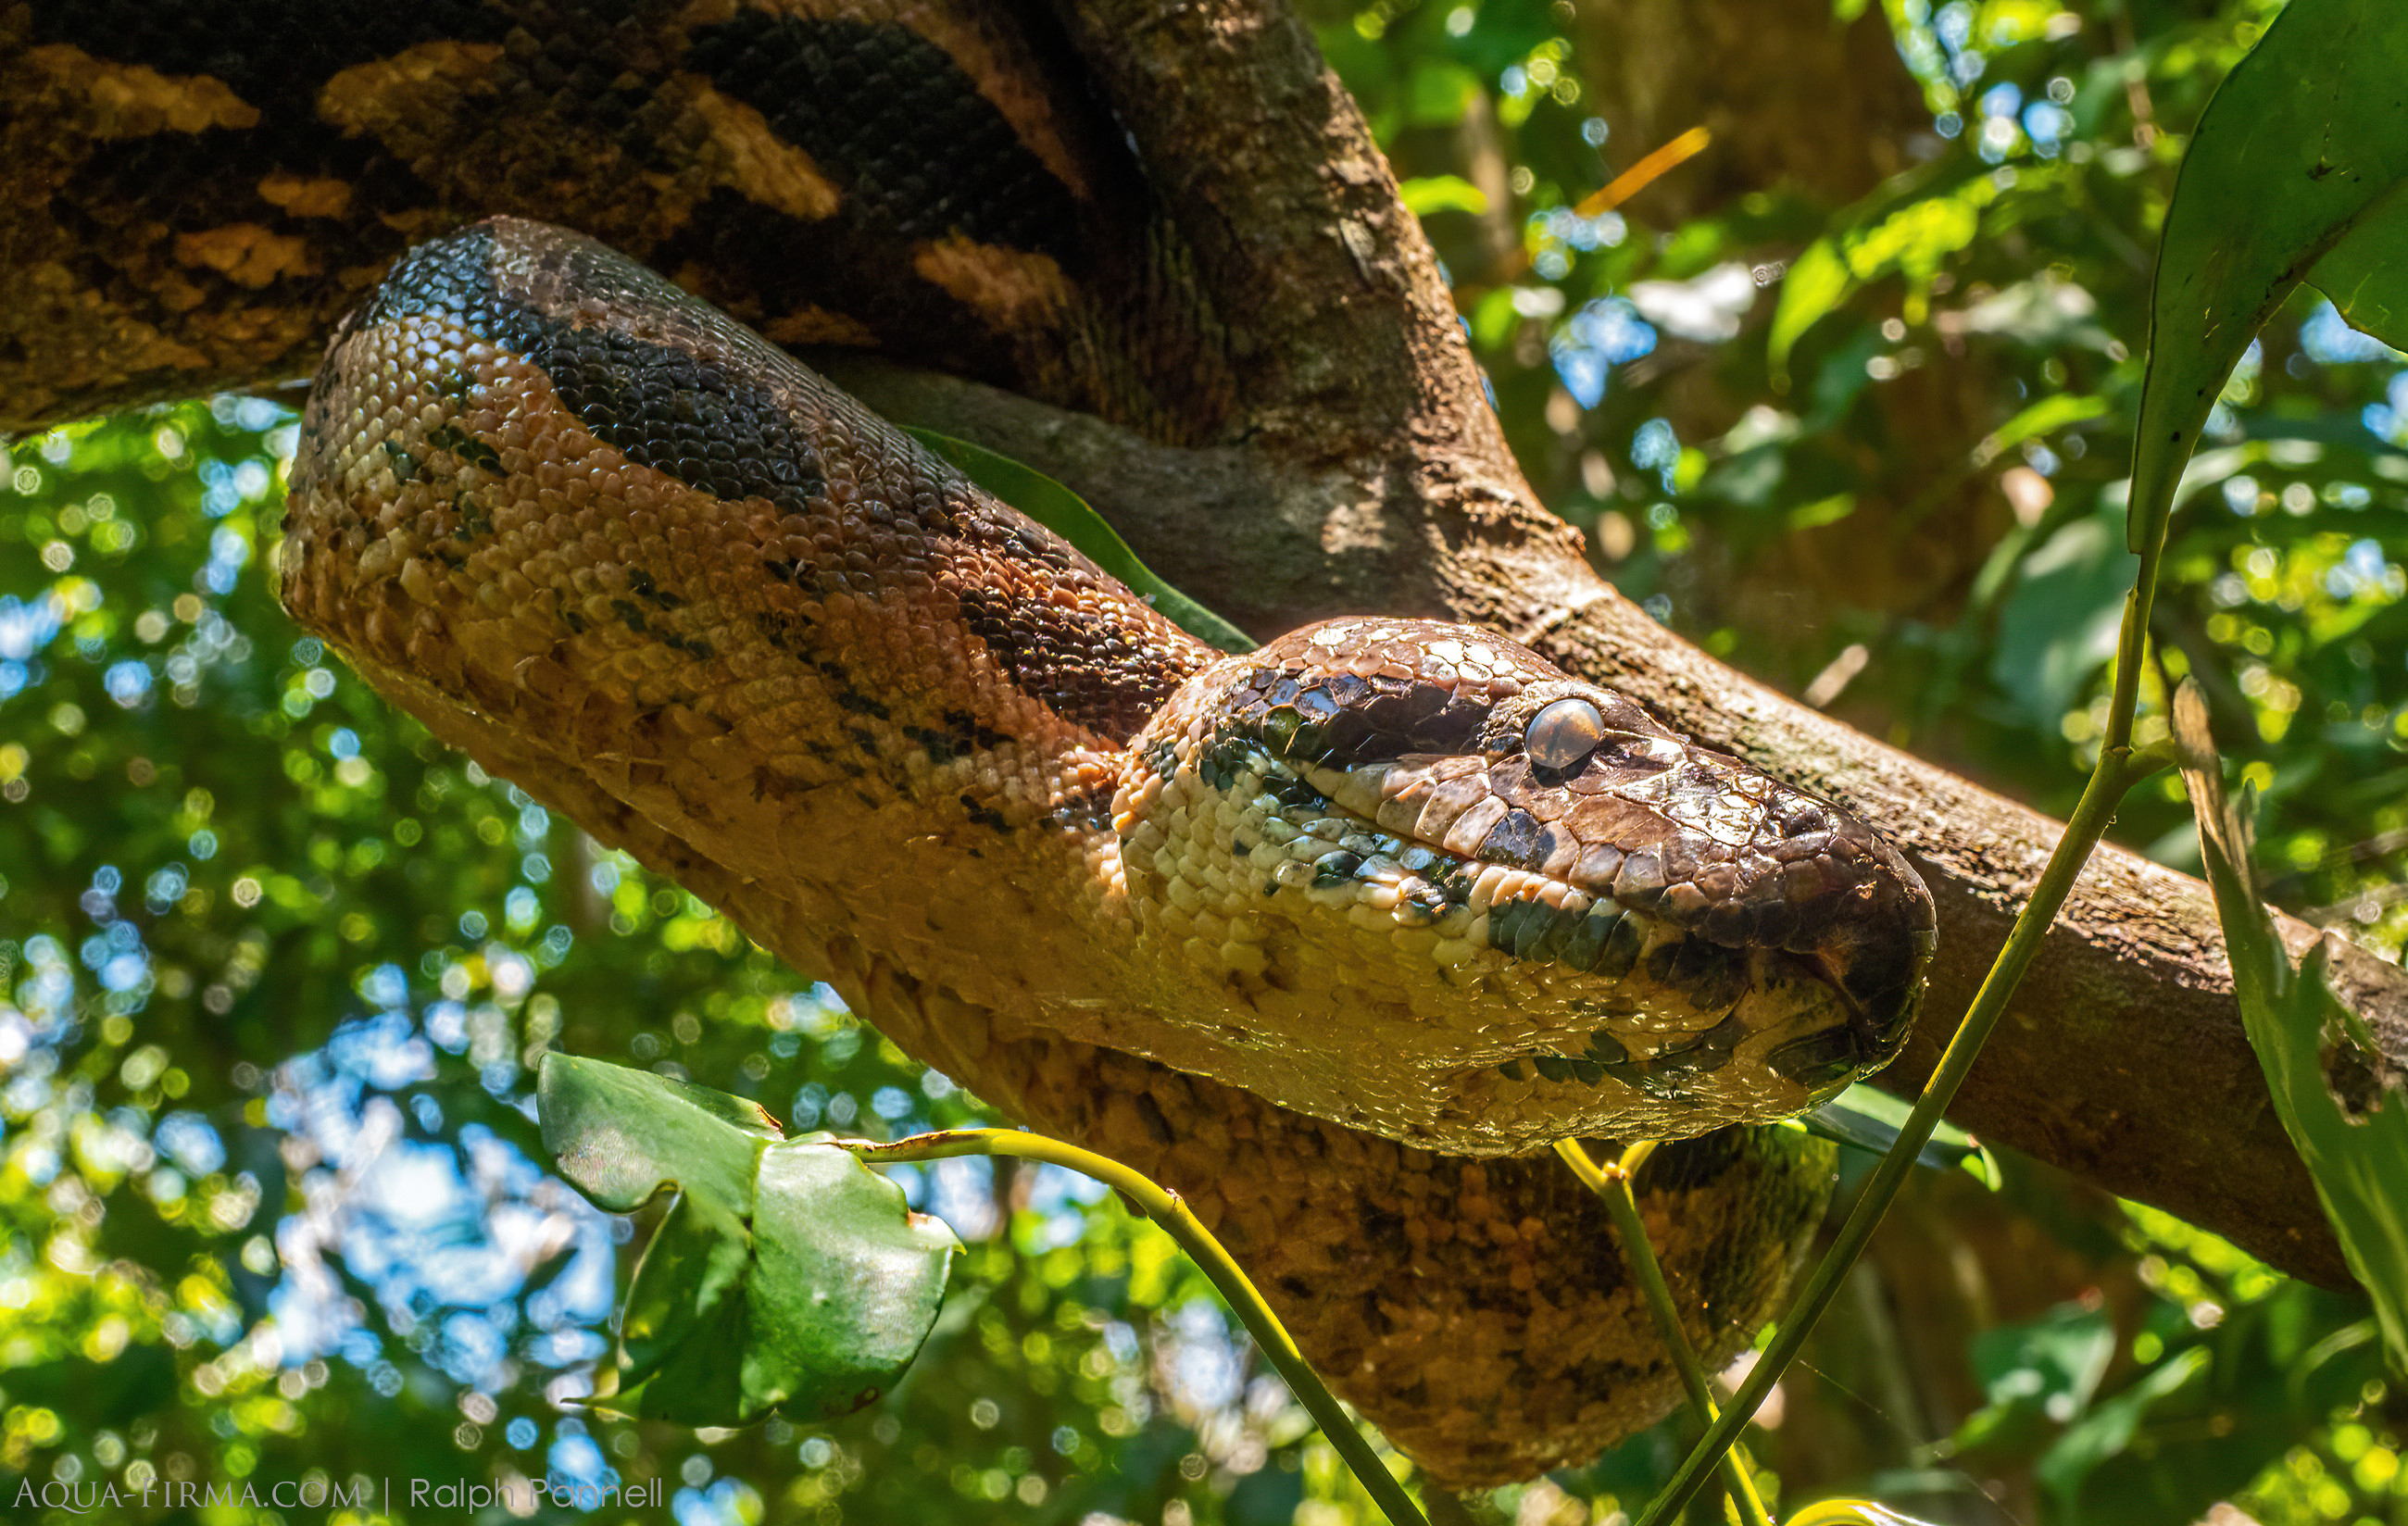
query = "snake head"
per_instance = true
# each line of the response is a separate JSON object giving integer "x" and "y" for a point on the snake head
{"x": 1422, "y": 829}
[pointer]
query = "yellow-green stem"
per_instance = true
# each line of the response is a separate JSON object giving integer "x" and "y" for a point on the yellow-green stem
{"x": 1612, "y": 1186}
{"x": 1166, "y": 1209}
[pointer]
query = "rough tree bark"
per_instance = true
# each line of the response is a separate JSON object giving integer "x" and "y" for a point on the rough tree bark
{"x": 1356, "y": 467}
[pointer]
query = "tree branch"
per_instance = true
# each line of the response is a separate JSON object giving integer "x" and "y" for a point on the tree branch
{"x": 1352, "y": 464}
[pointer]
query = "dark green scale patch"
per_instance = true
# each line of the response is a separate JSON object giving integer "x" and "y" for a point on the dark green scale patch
{"x": 1516, "y": 841}
{"x": 1088, "y": 811}
{"x": 476, "y": 520}
{"x": 1453, "y": 879}
{"x": 1336, "y": 868}
{"x": 465, "y": 446}
{"x": 1601, "y": 939}
{"x": 1293, "y": 794}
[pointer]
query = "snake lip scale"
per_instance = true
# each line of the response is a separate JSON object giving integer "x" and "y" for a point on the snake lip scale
{"x": 1398, "y": 873}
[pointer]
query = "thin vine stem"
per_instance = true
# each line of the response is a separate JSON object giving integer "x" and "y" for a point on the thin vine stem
{"x": 1166, "y": 1209}
{"x": 2118, "y": 770}
{"x": 1612, "y": 1184}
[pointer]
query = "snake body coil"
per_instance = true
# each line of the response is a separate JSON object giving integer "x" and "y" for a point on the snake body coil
{"x": 1404, "y": 876}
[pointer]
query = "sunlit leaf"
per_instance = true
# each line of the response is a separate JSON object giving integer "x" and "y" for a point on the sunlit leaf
{"x": 787, "y": 1275}
{"x": 2275, "y": 177}
{"x": 1868, "y": 1119}
{"x": 1441, "y": 194}
{"x": 1851, "y": 1512}
{"x": 2366, "y": 271}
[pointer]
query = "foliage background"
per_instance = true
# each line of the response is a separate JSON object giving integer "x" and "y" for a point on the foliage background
{"x": 1844, "y": 399}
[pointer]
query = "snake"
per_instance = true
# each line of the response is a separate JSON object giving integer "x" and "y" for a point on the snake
{"x": 1398, "y": 873}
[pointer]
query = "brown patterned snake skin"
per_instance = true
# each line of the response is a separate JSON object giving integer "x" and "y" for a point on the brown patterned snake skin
{"x": 1403, "y": 876}
{"x": 1400, "y": 874}
{"x": 203, "y": 189}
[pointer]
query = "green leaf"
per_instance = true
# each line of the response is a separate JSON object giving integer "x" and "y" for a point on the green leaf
{"x": 1868, "y": 1119}
{"x": 1441, "y": 194}
{"x": 786, "y": 1276}
{"x": 1817, "y": 282}
{"x": 2040, "y": 1371}
{"x": 2107, "y": 1429}
{"x": 1068, "y": 516}
{"x": 1851, "y": 1511}
{"x": 2306, "y": 138}
{"x": 2365, "y": 275}
{"x": 2045, "y": 417}
{"x": 2061, "y": 624}
{"x": 2342, "y": 1101}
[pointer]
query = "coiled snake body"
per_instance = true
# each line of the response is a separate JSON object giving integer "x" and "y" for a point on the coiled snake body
{"x": 1400, "y": 874}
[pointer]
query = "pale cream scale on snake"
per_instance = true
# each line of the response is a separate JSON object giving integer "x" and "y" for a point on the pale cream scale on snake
{"x": 1400, "y": 874}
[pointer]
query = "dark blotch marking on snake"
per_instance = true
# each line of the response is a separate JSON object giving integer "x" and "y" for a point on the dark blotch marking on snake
{"x": 1067, "y": 660}
{"x": 893, "y": 119}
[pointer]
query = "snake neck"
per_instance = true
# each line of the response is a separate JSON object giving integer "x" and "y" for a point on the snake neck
{"x": 629, "y": 482}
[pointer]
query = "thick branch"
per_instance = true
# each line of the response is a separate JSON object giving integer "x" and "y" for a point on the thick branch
{"x": 2123, "y": 1059}
{"x": 1357, "y": 466}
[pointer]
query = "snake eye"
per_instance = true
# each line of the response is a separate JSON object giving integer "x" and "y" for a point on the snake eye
{"x": 1563, "y": 733}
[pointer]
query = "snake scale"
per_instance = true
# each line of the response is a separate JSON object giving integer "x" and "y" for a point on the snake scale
{"x": 206, "y": 188}
{"x": 1397, "y": 874}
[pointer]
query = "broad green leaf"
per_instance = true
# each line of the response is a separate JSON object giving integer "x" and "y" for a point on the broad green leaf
{"x": 2307, "y": 137}
{"x": 786, "y": 1276}
{"x": 2366, "y": 273}
{"x": 1068, "y": 516}
{"x": 2339, "y": 1098}
{"x": 1868, "y": 1119}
